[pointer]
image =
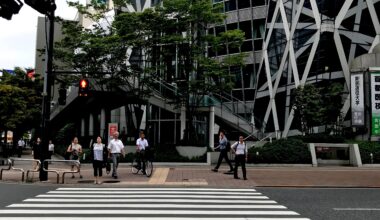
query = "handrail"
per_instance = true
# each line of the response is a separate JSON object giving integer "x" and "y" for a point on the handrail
{"x": 218, "y": 98}
{"x": 11, "y": 162}
{"x": 75, "y": 163}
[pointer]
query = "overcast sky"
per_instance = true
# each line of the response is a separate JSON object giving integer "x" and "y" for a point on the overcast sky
{"x": 18, "y": 36}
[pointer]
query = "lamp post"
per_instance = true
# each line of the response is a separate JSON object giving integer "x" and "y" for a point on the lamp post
{"x": 45, "y": 124}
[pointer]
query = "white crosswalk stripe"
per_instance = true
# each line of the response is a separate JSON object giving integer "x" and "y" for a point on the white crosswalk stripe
{"x": 149, "y": 203}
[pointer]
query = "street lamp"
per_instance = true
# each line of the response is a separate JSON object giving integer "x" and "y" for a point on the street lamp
{"x": 46, "y": 7}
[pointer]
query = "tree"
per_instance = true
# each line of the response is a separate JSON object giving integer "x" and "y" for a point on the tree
{"x": 318, "y": 106}
{"x": 308, "y": 107}
{"x": 21, "y": 100}
{"x": 175, "y": 31}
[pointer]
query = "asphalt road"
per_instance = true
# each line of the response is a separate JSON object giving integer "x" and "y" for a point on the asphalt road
{"x": 312, "y": 203}
{"x": 329, "y": 203}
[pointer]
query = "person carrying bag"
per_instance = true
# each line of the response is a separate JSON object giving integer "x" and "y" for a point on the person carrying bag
{"x": 241, "y": 156}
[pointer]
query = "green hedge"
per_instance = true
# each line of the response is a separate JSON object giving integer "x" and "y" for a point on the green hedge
{"x": 319, "y": 138}
{"x": 366, "y": 148}
{"x": 281, "y": 151}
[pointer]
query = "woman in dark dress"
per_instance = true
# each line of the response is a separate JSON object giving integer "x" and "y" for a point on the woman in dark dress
{"x": 36, "y": 151}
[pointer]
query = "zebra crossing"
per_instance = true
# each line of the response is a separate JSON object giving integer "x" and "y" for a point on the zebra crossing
{"x": 149, "y": 203}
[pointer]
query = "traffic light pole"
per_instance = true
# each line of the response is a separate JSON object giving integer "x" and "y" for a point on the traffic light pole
{"x": 45, "y": 125}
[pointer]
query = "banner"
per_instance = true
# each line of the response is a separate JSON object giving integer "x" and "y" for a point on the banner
{"x": 375, "y": 103}
{"x": 112, "y": 128}
{"x": 357, "y": 100}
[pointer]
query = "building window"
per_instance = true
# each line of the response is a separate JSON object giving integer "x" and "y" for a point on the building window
{"x": 247, "y": 74}
{"x": 245, "y": 26}
{"x": 230, "y": 5}
{"x": 219, "y": 30}
{"x": 243, "y": 4}
{"x": 232, "y": 26}
{"x": 258, "y": 3}
{"x": 246, "y": 46}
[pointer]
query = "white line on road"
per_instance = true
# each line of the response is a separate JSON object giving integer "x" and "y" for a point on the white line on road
{"x": 158, "y": 189}
{"x": 139, "y": 218}
{"x": 145, "y": 205}
{"x": 153, "y": 196}
{"x": 155, "y": 200}
{"x": 141, "y": 192}
{"x": 357, "y": 209}
{"x": 143, "y": 212}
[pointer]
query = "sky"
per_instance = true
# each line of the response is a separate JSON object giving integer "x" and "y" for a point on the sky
{"x": 18, "y": 36}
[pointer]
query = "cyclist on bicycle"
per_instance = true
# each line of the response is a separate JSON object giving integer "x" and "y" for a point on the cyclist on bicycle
{"x": 141, "y": 147}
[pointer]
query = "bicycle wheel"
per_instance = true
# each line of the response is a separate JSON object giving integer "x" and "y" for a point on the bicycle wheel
{"x": 134, "y": 167}
{"x": 148, "y": 168}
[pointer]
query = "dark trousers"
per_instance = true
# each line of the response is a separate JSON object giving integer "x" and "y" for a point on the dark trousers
{"x": 240, "y": 160}
{"x": 98, "y": 167}
{"x": 19, "y": 151}
{"x": 141, "y": 158}
{"x": 223, "y": 154}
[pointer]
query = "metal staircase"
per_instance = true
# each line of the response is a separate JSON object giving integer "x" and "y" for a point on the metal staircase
{"x": 230, "y": 110}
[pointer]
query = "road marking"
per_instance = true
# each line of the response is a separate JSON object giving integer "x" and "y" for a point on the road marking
{"x": 151, "y": 203}
{"x": 150, "y": 193}
{"x": 357, "y": 209}
{"x": 155, "y": 200}
{"x": 147, "y": 205}
{"x": 158, "y": 189}
{"x": 139, "y": 218}
{"x": 144, "y": 212}
{"x": 153, "y": 196}
{"x": 159, "y": 176}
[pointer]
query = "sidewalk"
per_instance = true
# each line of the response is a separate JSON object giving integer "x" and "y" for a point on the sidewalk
{"x": 177, "y": 175}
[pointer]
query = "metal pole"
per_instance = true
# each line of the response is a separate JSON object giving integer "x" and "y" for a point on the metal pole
{"x": 46, "y": 99}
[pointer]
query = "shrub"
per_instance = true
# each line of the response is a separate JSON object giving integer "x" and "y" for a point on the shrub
{"x": 366, "y": 148}
{"x": 169, "y": 153}
{"x": 281, "y": 151}
{"x": 320, "y": 138}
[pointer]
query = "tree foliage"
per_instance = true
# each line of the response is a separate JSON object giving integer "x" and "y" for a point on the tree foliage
{"x": 172, "y": 32}
{"x": 20, "y": 98}
{"x": 315, "y": 106}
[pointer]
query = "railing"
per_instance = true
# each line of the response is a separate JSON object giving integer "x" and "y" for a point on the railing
{"x": 227, "y": 102}
{"x": 60, "y": 170}
{"x": 11, "y": 166}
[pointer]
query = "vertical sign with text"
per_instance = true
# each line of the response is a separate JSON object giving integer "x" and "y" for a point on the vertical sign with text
{"x": 357, "y": 99}
{"x": 112, "y": 128}
{"x": 375, "y": 103}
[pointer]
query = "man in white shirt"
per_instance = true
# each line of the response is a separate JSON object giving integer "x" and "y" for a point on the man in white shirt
{"x": 116, "y": 149}
{"x": 20, "y": 146}
{"x": 141, "y": 147}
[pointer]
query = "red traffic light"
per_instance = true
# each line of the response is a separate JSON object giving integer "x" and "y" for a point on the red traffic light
{"x": 83, "y": 83}
{"x": 83, "y": 87}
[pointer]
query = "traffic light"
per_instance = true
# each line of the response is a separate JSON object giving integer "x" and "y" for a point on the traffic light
{"x": 42, "y": 6}
{"x": 62, "y": 96}
{"x": 9, "y": 8}
{"x": 83, "y": 87}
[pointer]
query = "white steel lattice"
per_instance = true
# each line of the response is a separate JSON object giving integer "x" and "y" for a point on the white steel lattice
{"x": 286, "y": 24}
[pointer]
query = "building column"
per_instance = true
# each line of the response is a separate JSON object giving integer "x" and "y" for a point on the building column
{"x": 102, "y": 122}
{"x": 183, "y": 121}
{"x": 211, "y": 127}
{"x": 91, "y": 125}
{"x": 123, "y": 119}
{"x": 83, "y": 127}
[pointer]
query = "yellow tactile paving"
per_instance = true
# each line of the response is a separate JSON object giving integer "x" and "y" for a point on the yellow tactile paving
{"x": 159, "y": 176}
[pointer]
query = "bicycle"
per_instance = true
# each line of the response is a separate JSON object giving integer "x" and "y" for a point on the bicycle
{"x": 148, "y": 164}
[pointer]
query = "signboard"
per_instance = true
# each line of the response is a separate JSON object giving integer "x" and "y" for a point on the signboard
{"x": 112, "y": 128}
{"x": 375, "y": 103}
{"x": 357, "y": 100}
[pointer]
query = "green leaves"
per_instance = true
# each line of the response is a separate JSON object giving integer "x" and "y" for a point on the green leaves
{"x": 20, "y": 99}
{"x": 313, "y": 109}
